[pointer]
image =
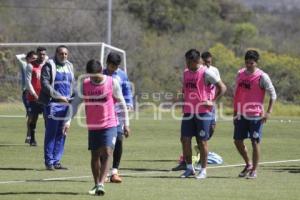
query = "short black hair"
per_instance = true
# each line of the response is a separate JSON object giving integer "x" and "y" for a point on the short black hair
{"x": 113, "y": 58}
{"x": 206, "y": 55}
{"x": 93, "y": 67}
{"x": 192, "y": 54}
{"x": 41, "y": 49}
{"x": 30, "y": 54}
{"x": 61, "y": 46}
{"x": 252, "y": 55}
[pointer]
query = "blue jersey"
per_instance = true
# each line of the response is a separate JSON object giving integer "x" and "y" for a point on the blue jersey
{"x": 122, "y": 78}
{"x": 63, "y": 81}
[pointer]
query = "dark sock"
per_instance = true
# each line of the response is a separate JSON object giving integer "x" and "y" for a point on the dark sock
{"x": 117, "y": 153}
{"x": 32, "y": 132}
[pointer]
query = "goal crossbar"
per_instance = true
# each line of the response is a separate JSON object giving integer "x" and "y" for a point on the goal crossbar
{"x": 102, "y": 44}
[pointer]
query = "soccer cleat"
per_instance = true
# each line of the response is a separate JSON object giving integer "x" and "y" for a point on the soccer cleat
{"x": 100, "y": 190}
{"x": 181, "y": 166}
{"x": 49, "y": 167}
{"x": 33, "y": 143}
{"x": 187, "y": 173}
{"x": 93, "y": 190}
{"x": 115, "y": 178}
{"x": 201, "y": 175}
{"x": 252, "y": 175}
{"x": 27, "y": 140}
{"x": 245, "y": 171}
{"x": 59, "y": 166}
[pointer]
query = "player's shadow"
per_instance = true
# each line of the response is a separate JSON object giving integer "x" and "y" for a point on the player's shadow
{"x": 41, "y": 192}
{"x": 294, "y": 169}
{"x": 17, "y": 169}
{"x": 13, "y": 145}
{"x": 289, "y": 170}
{"x": 21, "y": 169}
{"x": 145, "y": 169}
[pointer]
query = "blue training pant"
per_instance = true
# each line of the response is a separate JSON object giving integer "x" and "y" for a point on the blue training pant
{"x": 54, "y": 139}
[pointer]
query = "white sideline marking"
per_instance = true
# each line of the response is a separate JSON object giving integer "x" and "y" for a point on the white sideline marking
{"x": 150, "y": 172}
{"x": 261, "y": 163}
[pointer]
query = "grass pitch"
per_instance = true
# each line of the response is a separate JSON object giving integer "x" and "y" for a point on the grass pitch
{"x": 149, "y": 154}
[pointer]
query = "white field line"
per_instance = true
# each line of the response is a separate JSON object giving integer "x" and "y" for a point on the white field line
{"x": 142, "y": 173}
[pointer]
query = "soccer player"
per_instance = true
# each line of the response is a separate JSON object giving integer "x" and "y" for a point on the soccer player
{"x": 207, "y": 61}
{"x": 33, "y": 86}
{"x": 99, "y": 92}
{"x": 57, "y": 80}
{"x": 113, "y": 62}
{"x": 198, "y": 104}
{"x": 249, "y": 115}
{"x": 23, "y": 61}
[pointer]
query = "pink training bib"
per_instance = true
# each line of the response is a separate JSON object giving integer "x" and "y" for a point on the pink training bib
{"x": 195, "y": 92}
{"x": 249, "y": 96}
{"x": 99, "y": 104}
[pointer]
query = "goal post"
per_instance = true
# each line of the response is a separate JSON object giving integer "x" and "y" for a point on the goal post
{"x": 104, "y": 48}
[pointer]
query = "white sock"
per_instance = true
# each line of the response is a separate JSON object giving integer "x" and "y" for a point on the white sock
{"x": 100, "y": 184}
{"x": 190, "y": 166}
{"x": 114, "y": 171}
{"x": 203, "y": 170}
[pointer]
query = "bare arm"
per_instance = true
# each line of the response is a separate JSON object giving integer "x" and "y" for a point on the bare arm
{"x": 221, "y": 89}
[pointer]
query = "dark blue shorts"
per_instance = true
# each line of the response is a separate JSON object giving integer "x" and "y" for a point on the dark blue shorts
{"x": 102, "y": 138}
{"x": 197, "y": 125}
{"x": 248, "y": 128}
{"x": 35, "y": 108}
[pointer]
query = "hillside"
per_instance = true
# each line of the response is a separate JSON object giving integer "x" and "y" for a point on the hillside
{"x": 155, "y": 35}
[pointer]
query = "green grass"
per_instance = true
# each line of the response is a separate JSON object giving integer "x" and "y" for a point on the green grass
{"x": 149, "y": 153}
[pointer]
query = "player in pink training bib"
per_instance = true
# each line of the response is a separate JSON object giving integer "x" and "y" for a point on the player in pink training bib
{"x": 197, "y": 115}
{"x": 99, "y": 94}
{"x": 249, "y": 114}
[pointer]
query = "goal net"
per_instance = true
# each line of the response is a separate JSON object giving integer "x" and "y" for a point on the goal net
{"x": 79, "y": 54}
